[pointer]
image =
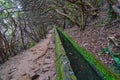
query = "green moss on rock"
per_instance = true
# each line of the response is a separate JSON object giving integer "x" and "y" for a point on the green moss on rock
{"x": 63, "y": 68}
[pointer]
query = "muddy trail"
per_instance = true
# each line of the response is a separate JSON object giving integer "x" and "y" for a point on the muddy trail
{"x": 37, "y": 63}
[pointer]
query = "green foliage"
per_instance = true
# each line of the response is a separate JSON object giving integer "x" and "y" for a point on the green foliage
{"x": 20, "y": 45}
{"x": 99, "y": 2}
{"x": 8, "y": 6}
{"x": 105, "y": 50}
{"x": 31, "y": 44}
{"x": 6, "y": 3}
{"x": 4, "y": 15}
{"x": 111, "y": 15}
{"x": 116, "y": 58}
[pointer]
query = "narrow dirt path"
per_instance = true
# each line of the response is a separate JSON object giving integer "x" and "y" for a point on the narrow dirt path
{"x": 37, "y": 63}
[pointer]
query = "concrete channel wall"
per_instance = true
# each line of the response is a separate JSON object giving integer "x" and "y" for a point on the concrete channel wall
{"x": 89, "y": 57}
{"x": 63, "y": 68}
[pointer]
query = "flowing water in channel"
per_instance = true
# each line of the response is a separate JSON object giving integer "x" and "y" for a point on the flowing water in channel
{"x": 82, "y": 69}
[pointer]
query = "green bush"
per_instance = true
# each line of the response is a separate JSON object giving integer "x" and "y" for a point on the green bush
{"x": 31, "y": 44}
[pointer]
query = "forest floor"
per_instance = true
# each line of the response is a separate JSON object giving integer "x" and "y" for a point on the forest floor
{"x": 94, "y": 39}
{"x": 37, "y": 63}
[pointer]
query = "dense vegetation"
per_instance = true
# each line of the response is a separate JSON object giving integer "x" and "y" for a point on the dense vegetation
{"x": 25, "y": 22}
